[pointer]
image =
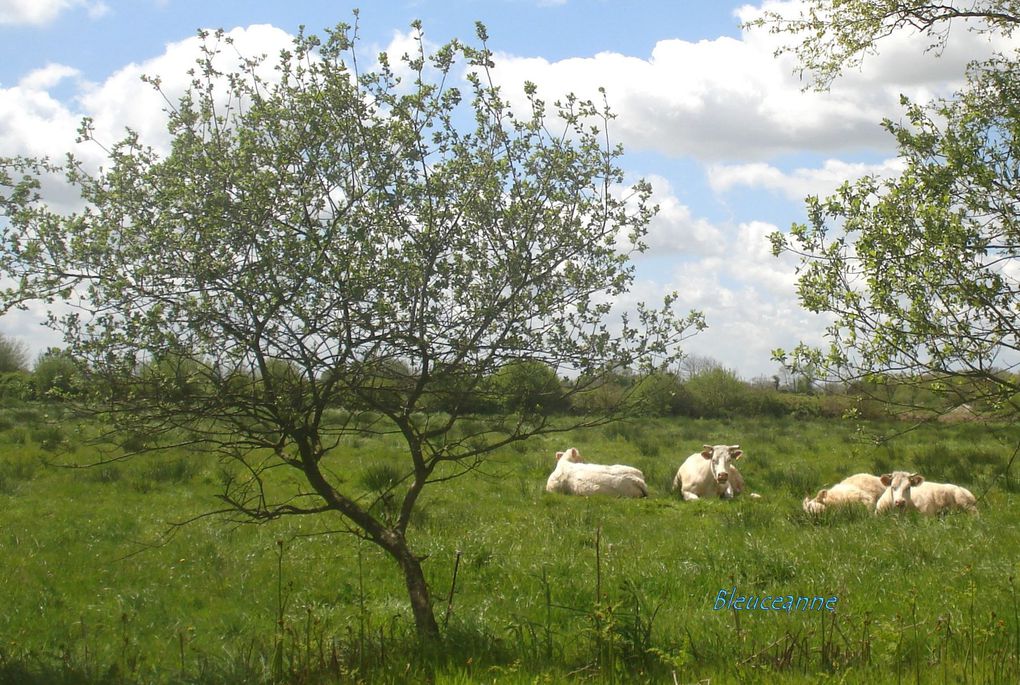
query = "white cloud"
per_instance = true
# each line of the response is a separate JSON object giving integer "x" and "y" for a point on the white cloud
{"x": 34, "y": 122}
{"x": 748, "y": 297}
{"x": 47, "y": 77}
{"x": 801, "y": 182}
{"x": 123, "y": 100}
{"x": 749, "y": 300}
{"x": 675, "y": 229}
{"x": 726, "y": 99}
{"x": 42, "y": 12}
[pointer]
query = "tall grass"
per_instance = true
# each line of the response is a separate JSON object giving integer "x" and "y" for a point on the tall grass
{"x": 548, "y": 588}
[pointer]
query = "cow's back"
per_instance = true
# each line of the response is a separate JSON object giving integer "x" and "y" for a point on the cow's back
{"x": 866, "y": 482}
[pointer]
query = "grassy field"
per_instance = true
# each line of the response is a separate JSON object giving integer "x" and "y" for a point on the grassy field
{"x": 548, "y": 588}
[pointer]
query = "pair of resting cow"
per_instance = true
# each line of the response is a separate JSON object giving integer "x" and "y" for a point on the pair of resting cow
{"x": 896, "y": 491}
{"x": 709, "y": 473}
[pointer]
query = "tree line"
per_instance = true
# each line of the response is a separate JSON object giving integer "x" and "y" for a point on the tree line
{"x": 696, "y": 387}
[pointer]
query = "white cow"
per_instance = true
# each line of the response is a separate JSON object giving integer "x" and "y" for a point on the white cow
{"x": 709, "y": 473}
{"x": 860, "y": 488}
{"x": 911, "y": 491}
{"x": 572, "y": 476}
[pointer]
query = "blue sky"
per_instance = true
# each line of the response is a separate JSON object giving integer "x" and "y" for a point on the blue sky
{"x": 723, "y": 129}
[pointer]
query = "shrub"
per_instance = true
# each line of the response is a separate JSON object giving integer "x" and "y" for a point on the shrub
{"x": 717, "y": 393}
{"x": 599, "y": 398}
{"x": 15, "y": 385}
{"x": 380, "y": 477}
{"x": 528, "y": 387}
{"x": 13, "y": 355}
{"x": 660, "y": 394}
{"x": 47, "y": 437}
{"x": 55, "y": 374}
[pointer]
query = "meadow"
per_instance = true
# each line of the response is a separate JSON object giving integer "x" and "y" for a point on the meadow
{"x": 99, "y": 586}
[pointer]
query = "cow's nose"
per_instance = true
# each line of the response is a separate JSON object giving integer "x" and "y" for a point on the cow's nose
{"x": 722, "y": 477}
{"x": 901, "y": 503}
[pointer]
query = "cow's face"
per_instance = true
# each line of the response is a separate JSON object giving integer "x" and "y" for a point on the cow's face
{"x": 816, "y": 505}
{"x": 571, "y": 455}
{"x": 899, "y": 483}
{"x": 721, "y": 456}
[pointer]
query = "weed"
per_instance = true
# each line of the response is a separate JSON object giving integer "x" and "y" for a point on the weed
{"x": 50, "y": 438}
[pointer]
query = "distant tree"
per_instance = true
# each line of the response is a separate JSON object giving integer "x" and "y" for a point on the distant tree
{"x": 661, "y": 393}
{"x": 55, "y": 374}
{"x": 920, "y": 271}
{"x": 693, "y": 365}
{"x": 528, "y": 386}
{"x": 13, "y": 355}
{"x": 717, "y": 392}
{"x": 374, "y": 241}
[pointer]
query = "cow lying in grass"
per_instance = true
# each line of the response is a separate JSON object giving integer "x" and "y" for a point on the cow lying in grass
{"x": 860, "y": 488}
{"x": 905, "y": 491}
{"x": 710, "y": 473}
{"x": 573, "y": 476}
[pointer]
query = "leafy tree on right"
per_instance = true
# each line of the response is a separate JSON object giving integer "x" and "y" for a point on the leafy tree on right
{"x": 921, "y": 272}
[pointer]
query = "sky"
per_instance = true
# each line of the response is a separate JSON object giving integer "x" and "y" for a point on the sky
{"x": 723, "y": 129}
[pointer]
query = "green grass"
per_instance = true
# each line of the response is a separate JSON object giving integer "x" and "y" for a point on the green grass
{"x": 549, "y": 588}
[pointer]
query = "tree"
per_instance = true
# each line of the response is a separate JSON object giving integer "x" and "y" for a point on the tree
{"x": 13, "y": 355}
{"x": 55, "y": 374}
{"x": 920, "y": 271}
{"x": 327, "y": 237}
{"x": 831, "y": 36}
{"x": 694, "y": 365}
{"x": 528, "y": 386}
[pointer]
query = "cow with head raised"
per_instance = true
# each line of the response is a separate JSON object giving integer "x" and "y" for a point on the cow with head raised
{"x": 910, "y": 491}
{"x": 710, "y": 473}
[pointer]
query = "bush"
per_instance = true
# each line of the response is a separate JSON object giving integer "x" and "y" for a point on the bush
{"x": 14, "y": 470}
{"x": 602, "y": 397}
{"x": 16, "y": 385}
{"x": 660, "y": 394}
{"x": 380, "y": 477}
{"x": 170, "y": 470}
{"x": 48, "y": 437}
{"x": 717, "y": 393}
{"x": 13, "y": 355}
{"x": 55, "y": 374}
{"x": 528, "y": 387}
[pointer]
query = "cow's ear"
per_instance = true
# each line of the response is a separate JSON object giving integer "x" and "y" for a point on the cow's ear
{"x": 916, "y": 479}
{"x": 886, "y": 479}
{"x": 821, "y": 495}
{"x": 735, "y": 454}
{"x": 559, "y": 455}
{"x": 708, "y": 452}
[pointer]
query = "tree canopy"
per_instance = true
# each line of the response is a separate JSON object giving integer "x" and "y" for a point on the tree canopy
{"x": 831, "y": 36}
{"x": 327, "y": 251}
{"x": 919, "y": 271}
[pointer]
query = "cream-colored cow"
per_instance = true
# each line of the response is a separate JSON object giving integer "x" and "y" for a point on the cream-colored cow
{"x": 860, "y": 488}
{"x": 710, "y": 473}
{"x": 573, "y": 476}
{"x": 906, "y": 491}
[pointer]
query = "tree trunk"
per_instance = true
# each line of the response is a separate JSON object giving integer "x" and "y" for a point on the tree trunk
{"x": 417, "y": 589}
